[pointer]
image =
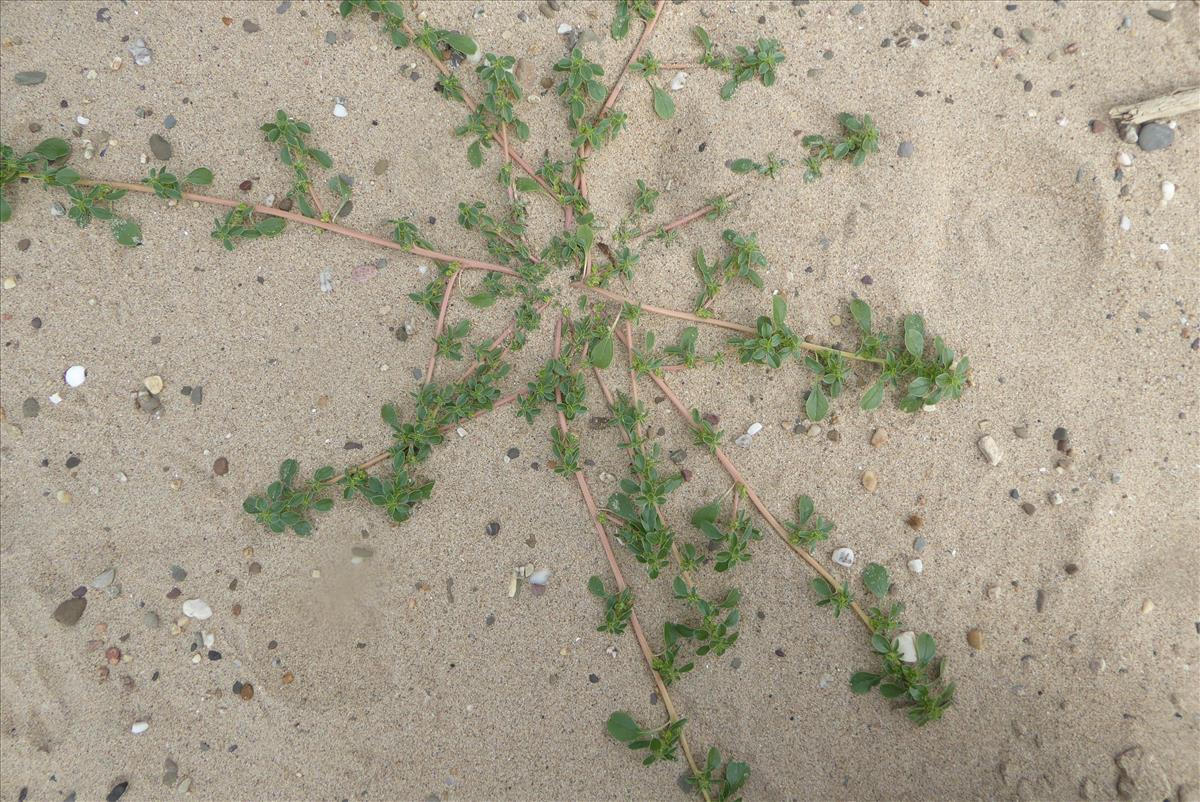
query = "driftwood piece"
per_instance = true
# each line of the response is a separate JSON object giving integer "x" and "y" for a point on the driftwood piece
{"x": 1181, "y": 101}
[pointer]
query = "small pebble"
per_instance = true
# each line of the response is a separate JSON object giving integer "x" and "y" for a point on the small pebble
{"x": 75, "y": 375}
{"x": 340, "y": 110}
{"x": 160, "y": 147}
{"x": 29, "y": 78}
{"x": 990, "y": 450}
{"x": 250, "y": 26}
{"x": 916, "y": 565}
{"x": 844, "y": 557}
{"x": 220, "y": 466}
{"x": 139, "y": 727}
{"x": 879, "y": 438}
{"x": 1155, "y": 136}
{"x": 69, "y": 612}
{"x": 906, "y": 150}
{"x": 198, "y": 609}
{"x": 975, "y": 638}
{"x": 870, "y": 481}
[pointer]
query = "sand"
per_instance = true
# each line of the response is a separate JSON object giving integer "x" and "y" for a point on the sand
{"x": 415, "y": 675}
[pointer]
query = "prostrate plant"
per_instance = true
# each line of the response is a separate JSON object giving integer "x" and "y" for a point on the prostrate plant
{"x": 704, "y": 621}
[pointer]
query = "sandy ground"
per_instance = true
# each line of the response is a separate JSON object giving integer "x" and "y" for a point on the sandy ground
{"x": 415, "y": 676}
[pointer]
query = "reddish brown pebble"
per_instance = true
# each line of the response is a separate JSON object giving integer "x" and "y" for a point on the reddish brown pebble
{"x": 272, "y": 644}
{"x": 285, "y": 205}
{"x": 1098, "y": 127}
{"x": 93, "y": 645}
{"x": 221, "y": 466}
{"x": 174, "y": 593}
{"x": 237, "y": 609}
{"x": 287, "y": 678}
{"x": 113, "y": 655}
{"x": 686, "y": 474}
{"x": 1071, "y": 49}
{"x": 247, "y": 692}
{"x": 23, "y": 245}
{"x": 227, "y": 20}
{"x": 1071, "y": 569}
{"x": 915, "y": 521}
{"x": 103, "y": 673}
{"x": 255, "y": 568}
{"x": 246, "y": 185}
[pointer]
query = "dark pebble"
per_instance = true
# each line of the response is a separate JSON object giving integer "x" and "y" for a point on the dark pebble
{"x": 513, "y": 452}
{"x": 36, "y": 323}
{"x": 1028, "y": 508}
{"x": 213, "y": 654}
{"x": 221, "y": 466}
{"x": 867, "y": 280}
{"x": 250, "y": 26}
{"x": 197, "y": 395}
{"x": 169, "y": 122}
{"x": 160, "y": 147}
{"x": 1161, "y": 14}
{"x": 1071, "y": 569}
{"x": 246, "y": 185}
{"x": 79, "y": 592}
{"x": 1155, "y": 136}
{"x": 117, "y": 792}
{"x": 1040, "y": 600}
{"x": 780, "y": 653}
{"x": 592, "y": 678}
{"x": 998, "y": 33}
{"x": 73, "y": 461}
{"x": 352, "y": 446}
{"x": 23, "y": 245}
{"x": 30, "y": 407}
{"x": 255, "y": 567}
{"x": 285, "y": 205}
{"x": 1060, "y": 435}
{"x": 678, "y": 455}
{"x": 30, "y": 78}
{"x": 492, "y": 529}
{"x": 237, "y": 687}
{"x": 69, "y": 612}
{"x": 1014, "y": 494}
{"x": 736, "y": 663}
{"x": 174, "y": 593}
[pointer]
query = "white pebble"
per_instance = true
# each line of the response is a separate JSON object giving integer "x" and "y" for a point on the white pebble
{"x": 754, "y": 429}
{"x": 139, "y": 727}
{"x": 1063, "y": 121}
{"x": 916, "y": 566}
{"x": 906, "y": 644}
{"x": 990, "y": 450}
{"x": 1126, "y": 223}
{"x": 339, "y": 110}
{"x": 1168, "y": 192}
{"x": 82, "y": 120}
{"x": 56, "y": 399}
{"x": 326, "y": 280}
{"x": 564, "y": 29}
{"x": 844, "y": 557}
{"x": 463, "y": 432}
{"x": 197, "y": 608}
{"x": 75, "y": 375}
{"x": 1124, "y": 159}
{"x": 539, "y": 577}
{"x": 678, "y": 81}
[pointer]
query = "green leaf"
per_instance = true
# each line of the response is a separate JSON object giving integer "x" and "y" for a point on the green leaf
{"x": 914, "y": 335}
{"x": 321, "y": 157}
{"x": 736, "y": 774}
{"x": 926, "y": 648}
{"x": 128, "y": 233}
{"x": 664, "y": 106}
{"x": 875, "y": 578}
{"x": 482, "y": 300}
{"x": 52, "y": 148}
{"x": 622, "y": 727}
{"x": 460, "y": 42}
{"x": 862, "y": 313}
{"x": 5, "y": 210}
{"x": 873, "y": 397}
{"x": 804, "y": 508}
{"x": 269, "y": 227}
{"x": 707, "y": 514}
{"x": 741, "y": 165}
{"x": 527, "y": 185}
{"x": 601, "y": 354}
{"x": 595, "y": 586}
{"x": 864, "y": 681}
{"x": 817, "y": 405}
{"x": 475, "y": 155}
{"x": 201, "y": 177}
{"x": 891, "y": 691}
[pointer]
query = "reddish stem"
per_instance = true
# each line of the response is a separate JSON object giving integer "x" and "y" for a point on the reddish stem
{"x": 441, "y": 321}
{"x": 736, "y": 476}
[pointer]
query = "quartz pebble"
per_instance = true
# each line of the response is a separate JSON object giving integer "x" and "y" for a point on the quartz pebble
{"x": 916, "y": 565}
{"x": 844, "y": 557}
{"x": 1168, "y": 192}
{"x": 339, "y": 110}
{"x": 906, "y": 644}
{"x": 139, "y": 727}
{"x": 154, "y": 384}
{"x": 197, "y": 608}
{"x": 990, "y": 450}
{"x": 870, "y": 481}
{"x": 678, "y": 81}
{"x": 744, "y": 439}
{"x": 75, "y": 375}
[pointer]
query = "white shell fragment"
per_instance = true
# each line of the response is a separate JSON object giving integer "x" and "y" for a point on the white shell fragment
{"x": 916, "y": 566}
{"x": 1124, "y": 159}
{"x": 197, "y": 608}
{"x": 105, "y": 579}
{"x": 564, "y": 29}
{"x": 744, "y": 439}
{"x": 844, "y": 557}
{"x": 325, "y": 280}
{"x": 539, "y": 577}
{"x": 678, "y": 81}
{"x": 1168, "y": 192}
{"x": 906, "y": 643}
{"x": 990, "y": 450}
{"x": 75, "y": 375}
{"x": 139, "y": 727}
{"x": 1126, "y": 223}
{"x": 339, "y": 110}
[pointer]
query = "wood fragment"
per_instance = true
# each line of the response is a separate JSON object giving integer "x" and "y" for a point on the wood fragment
{"x": 1173, "y": 104}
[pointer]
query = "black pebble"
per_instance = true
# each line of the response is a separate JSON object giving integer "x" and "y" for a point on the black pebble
{"x": 73, "y": 461}
{"x": 514, "y": 452}
{"x": 1060, "y": 435}
{"x": 213, "y": 654}
{"x": 592, "y": 678}
{"x": 117, "y": 792}
{"x": 492, "y": 529}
